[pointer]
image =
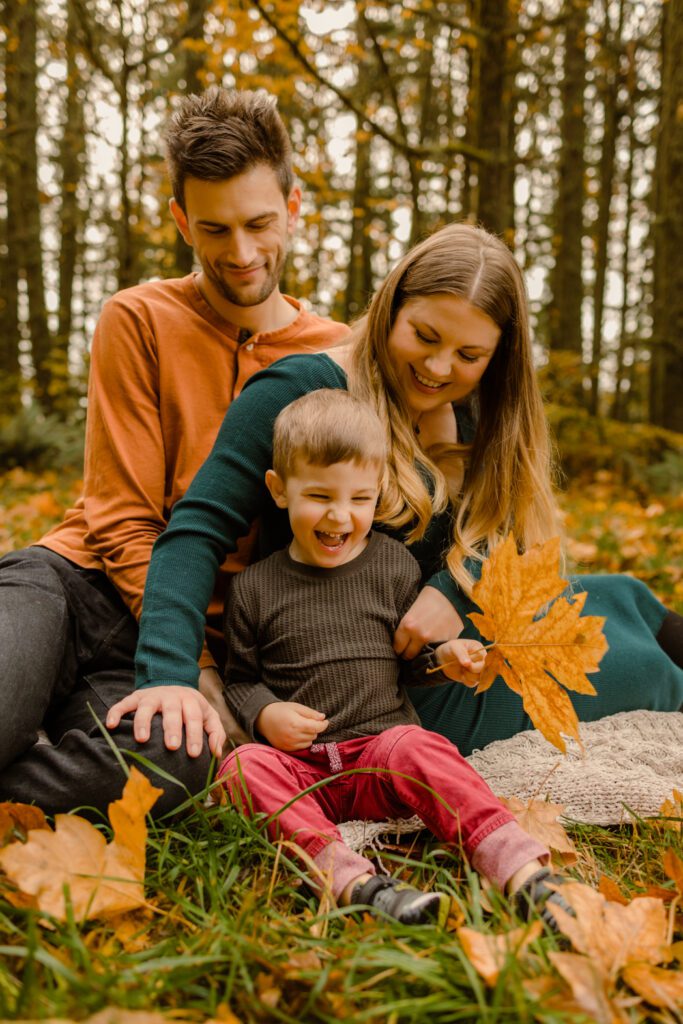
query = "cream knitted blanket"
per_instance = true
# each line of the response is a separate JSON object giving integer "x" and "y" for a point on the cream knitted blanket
{"x": 632, "y": 762}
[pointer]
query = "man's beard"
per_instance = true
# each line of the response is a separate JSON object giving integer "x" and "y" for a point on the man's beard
{"x": 244, "y": 296}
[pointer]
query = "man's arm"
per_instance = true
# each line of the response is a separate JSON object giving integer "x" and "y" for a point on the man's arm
{"x": 125, "y": 461}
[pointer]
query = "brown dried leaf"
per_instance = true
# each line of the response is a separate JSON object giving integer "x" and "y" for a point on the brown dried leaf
{"x": 655, "y": 985}
{"x": 610, "y": 934}
{"x": 611, "y": 891}
{"x": 540, "y": 820}
{"x": 268, "y": 991}
{"x": 673, "y": 808}
{"x": 102, "y": 880}
{"x": 589, "y": 987}
{"x": 535, "y": 655}
{"x": 673, "y": 866}
{"x": 22, "y": 817}
{"x": 488, "y": 953}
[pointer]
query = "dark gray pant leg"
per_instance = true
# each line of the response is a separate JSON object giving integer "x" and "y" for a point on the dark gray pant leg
{"x": 80, "y": 771}
{"x": 82, "y": 659}
{"x": 34, "y": 631}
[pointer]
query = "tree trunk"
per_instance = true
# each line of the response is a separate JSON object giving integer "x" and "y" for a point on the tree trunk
{"x": 192, "y": 63}
{"x": 564, "y": 315}
{"x": 666, "y": 380}
{"x": 610, "y": 100}
{"x": 10, "y": 377}
{"x": 72, "y": 150}
{"x": 494, "y": 209}
{"x": 23, "y": 205}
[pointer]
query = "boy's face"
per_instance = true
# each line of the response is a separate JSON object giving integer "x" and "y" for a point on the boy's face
{"x": 331, "y": 509}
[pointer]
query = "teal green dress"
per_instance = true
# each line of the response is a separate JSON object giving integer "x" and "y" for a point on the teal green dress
{"x": 229, "y": 493}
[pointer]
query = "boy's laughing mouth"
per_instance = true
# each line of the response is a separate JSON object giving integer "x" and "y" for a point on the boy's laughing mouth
{"x": 332, "y": 541}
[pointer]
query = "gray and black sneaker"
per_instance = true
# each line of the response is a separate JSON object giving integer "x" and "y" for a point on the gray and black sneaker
{"x": 536, "y": 896}
{"x": 403, "y": 902}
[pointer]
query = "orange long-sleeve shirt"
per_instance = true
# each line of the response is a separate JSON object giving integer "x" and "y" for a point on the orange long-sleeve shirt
{"x": 164, "y": 368}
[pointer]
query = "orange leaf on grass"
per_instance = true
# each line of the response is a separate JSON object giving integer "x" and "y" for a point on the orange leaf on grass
{"x": 21, "y": 817}
{"x": 488, "y": 953}
{"x": 103, "y": 880}
{"x": 589, "y": 987}
{"x": 533, "y": 654}
{"x": 611, "y": 891}
{"x": 540, "y": 820}
{"x": 673, "y": 866}
{"x": 611, "y": 934}
{"x": 655, "y": 985}
{"x": 673, "y": 809}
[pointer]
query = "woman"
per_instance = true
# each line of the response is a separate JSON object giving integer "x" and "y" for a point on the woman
{"x": 444, "y": 355}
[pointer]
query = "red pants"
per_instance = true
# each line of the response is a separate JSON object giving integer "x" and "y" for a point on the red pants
{"x": 409, "y": 771}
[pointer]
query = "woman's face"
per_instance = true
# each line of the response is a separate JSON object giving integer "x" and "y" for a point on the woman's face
{"x": 440, "y": 346}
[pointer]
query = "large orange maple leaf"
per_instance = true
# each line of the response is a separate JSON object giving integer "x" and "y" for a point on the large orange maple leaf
{"x": 101, "y": 880}
{"x": 533, "y": 649}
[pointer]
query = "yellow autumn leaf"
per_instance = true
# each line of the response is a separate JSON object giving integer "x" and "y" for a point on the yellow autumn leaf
{"x": 540, "y": 820}
{"x": 102, "y": 879}
{"x": 536, "y": 648}
{"x": 488, "y": 953}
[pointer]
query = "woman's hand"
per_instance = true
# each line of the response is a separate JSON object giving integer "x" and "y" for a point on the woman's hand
{"x": 178, "y": 706}
{"x": 289, "y": 726}
{"x": 429, "y": 619}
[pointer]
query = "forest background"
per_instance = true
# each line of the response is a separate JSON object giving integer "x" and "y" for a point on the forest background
{"x": 556, "y": 123}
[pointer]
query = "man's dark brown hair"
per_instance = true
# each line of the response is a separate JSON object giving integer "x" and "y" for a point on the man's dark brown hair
{"x": 221, "y": 133}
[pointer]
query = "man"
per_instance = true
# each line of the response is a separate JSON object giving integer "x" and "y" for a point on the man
{"x": 167, "y": 358}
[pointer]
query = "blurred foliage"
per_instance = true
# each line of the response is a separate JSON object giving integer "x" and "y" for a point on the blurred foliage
{"x": 36, "y": 441}
{"x": 640, "y": 456}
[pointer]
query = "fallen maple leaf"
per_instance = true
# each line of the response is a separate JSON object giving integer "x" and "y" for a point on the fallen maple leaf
{"x": 23, "y": 817}
{"x": 488, "y": 953}
{"x": 611, "y": 891}
{"x": 673, "y": 809}
{"x": 615, "y": 941}
{"x": 540, "y": 820}
{"x": 589, "y": 987}
{"x": 535, "y": 652}
{"x": 102, "y": 880}
{"x": 673, "y": 866}
{"x": 612, "y": 934}
{"x": 655, "y": 985}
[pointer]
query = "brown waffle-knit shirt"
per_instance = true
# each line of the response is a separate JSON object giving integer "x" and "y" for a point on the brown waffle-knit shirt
{"x": 323, "y": 637}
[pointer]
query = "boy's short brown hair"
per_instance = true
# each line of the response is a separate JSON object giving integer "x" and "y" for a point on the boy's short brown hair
{"x": 222, "y": 133}
{"x": 325, "y": 427}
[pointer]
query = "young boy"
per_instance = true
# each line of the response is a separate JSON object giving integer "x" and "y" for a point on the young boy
{"x": 312, "y": 677}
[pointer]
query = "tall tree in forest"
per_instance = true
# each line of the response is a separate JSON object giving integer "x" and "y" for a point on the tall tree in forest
{"x": 495, "y": 120}
{"x": 564, "y": 319}
{"x": 24, "y": 239}
{"x": 190, "y": 62}
{"x": 10, "y": 383}
{"x": 71, "y": 164}
{"x": 666, "y": 376}
{"x": 609, "y": 93}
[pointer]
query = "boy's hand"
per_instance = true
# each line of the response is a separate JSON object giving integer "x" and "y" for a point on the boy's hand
{"x": 430, "y": 617}
{"x": 461, "y": 660}
{"x": 178, "y": 706}
{"x": 289, "y": 726}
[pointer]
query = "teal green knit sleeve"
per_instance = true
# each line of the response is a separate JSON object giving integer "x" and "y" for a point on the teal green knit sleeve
{"x": 226, "y": 496}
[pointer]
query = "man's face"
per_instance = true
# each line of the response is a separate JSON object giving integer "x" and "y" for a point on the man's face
{"x": 239, "y": 229}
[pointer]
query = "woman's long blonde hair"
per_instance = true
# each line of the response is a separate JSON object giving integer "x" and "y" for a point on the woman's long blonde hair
{"x": 506, "y": 477}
